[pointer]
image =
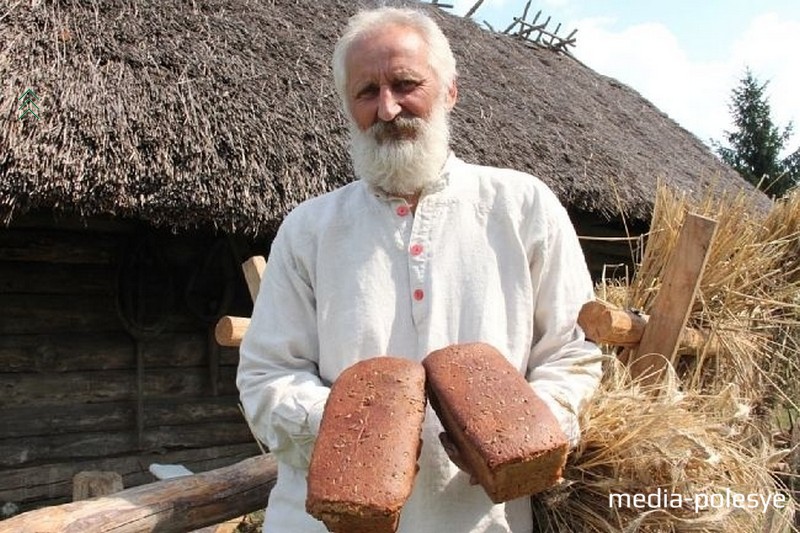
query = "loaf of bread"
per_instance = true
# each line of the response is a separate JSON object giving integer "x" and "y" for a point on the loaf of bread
{"x": 365, "y": 458}
{"x": 504, "y": 432}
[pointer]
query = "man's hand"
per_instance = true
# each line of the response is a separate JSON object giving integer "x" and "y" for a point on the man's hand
{"x": 455, "y": 456}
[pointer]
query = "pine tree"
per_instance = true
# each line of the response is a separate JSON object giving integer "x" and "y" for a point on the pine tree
{"x": 756, "y": 143}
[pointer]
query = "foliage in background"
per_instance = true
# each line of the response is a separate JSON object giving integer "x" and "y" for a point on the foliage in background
{"x": 756, "y": 142}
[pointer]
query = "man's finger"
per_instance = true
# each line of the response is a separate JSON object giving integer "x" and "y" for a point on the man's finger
{"x": 452, "y": 452}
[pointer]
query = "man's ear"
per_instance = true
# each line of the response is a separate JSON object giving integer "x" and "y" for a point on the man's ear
{"x": 451, "y": 96}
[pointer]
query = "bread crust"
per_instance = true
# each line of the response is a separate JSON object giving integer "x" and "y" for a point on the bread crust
{"x": 507, "y": 435}
{"x": 365, "y": 458}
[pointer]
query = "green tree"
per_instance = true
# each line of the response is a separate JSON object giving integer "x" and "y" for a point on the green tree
{"x": 754, "y": 147}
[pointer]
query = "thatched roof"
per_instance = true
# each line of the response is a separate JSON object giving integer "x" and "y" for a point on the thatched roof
{"x": 223, "y": 112}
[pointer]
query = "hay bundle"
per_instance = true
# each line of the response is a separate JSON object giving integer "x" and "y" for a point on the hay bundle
{"x": 748, "y": 295}
{"x": 748, "y": 299}
{"x": 697, "y": 453}
{"x": 668, "y": 462}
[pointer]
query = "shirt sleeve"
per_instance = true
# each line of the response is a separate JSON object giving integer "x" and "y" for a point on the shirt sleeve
{"x": 279, "y": 385}
{"x": 564, "y": 368}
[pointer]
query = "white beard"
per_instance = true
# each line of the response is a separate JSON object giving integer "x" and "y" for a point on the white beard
{"x": 384, "y": 157}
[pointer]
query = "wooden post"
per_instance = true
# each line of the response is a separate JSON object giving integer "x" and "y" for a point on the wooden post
{"x": 253, "y": 272}
{"x": 92, "y": 483}
{"x": 230, "y": 330}
{"x": 672, "y": 305}
{"x": 604, "y": 323}
{"x": 473, "y": 9}
{"x": 170, "y": 506}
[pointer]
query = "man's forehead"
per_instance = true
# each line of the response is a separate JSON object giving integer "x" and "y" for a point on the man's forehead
{"x": 391, "y": 39}
{"x": 404, "y": 52}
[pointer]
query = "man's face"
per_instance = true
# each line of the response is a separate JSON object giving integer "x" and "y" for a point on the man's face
{"x": 389, "y": 77}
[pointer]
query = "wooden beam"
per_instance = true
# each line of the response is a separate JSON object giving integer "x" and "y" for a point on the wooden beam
{"x": 230, "y": 330}
{"x": 604, "y": 323}
{"x": 673, "y": 303}
{"x": 80, "y": 388}
{"x": 91, "y": 483}
{"x": 473, "y": 9}
{"x": 173, "y": 505}
{"x": 78, "y": 352}
{"x": 17, "y": 453}
{"x": 34, "y": 486}
{"x": 253, "y": 272}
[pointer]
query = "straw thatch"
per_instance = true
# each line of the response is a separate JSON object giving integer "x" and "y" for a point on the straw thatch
{"x": 223, "y": 113}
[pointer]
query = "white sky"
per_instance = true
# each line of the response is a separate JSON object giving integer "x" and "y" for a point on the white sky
{"x": 684, "y": 56}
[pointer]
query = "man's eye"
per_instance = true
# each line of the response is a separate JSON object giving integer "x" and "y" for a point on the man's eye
{"x": 406, "y": 85}
{"x": 368, "y": 92}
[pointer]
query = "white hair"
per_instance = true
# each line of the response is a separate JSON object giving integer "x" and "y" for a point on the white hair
{"x": 440, "y": 56}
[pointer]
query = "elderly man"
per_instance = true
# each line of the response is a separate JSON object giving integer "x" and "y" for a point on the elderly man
{"x": 422, "y": 251}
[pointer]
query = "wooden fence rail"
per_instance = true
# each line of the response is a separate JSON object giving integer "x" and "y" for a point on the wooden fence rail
{"x": 174, "y": 505}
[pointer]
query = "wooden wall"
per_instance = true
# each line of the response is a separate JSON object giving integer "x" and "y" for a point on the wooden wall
{"x": 79, "y": 389}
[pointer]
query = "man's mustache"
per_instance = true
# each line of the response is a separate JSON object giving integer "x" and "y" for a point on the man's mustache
{"x": 398, "y": 129}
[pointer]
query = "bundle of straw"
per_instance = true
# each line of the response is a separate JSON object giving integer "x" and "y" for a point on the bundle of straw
{"x": 748, "y": 295}
{"x": 705, "y": 433}
{"x": 686, "y": 455}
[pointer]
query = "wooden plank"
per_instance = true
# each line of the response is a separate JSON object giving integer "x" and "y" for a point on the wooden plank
{"x": 92, "y": 483}
{"x": 51, "y": 278}
{"x": 253, "y": 270}
{"x": 54, "y": 313}
{"x": 63, "y": 247}
{"x": 84, "y": 446}
{"x": 673, "y": 303}
{"x": 26, "y": 314}
{"x": 108, "y": 386}
{"x": 51, "y": 482}
{"x": 180, "y": 504}
{"x": 27, "y": 420}
{"x": 71, "y": 352}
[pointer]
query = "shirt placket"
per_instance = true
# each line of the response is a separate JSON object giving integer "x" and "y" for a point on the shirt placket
{"x": 417, "y": 250}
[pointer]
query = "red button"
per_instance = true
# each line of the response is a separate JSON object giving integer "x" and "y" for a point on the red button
{"x": 402, "y": 210}
{"x": 419, "y": 294}
{"x": 416, "y": 249}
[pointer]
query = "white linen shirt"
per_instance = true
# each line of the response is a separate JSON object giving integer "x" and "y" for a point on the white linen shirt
{"x": 490, "y": 255}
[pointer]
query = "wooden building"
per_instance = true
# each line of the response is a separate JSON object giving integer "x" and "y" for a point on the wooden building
{"x": 107, "y": 358}
{"x": 171, "y": 140}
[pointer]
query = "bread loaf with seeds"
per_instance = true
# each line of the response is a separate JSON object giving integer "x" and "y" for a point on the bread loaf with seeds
{"x": 365, "y": 458}
{"x": 504, "y": 432}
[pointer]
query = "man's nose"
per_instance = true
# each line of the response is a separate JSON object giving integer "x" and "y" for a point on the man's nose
{"x": 388, "y": 106}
